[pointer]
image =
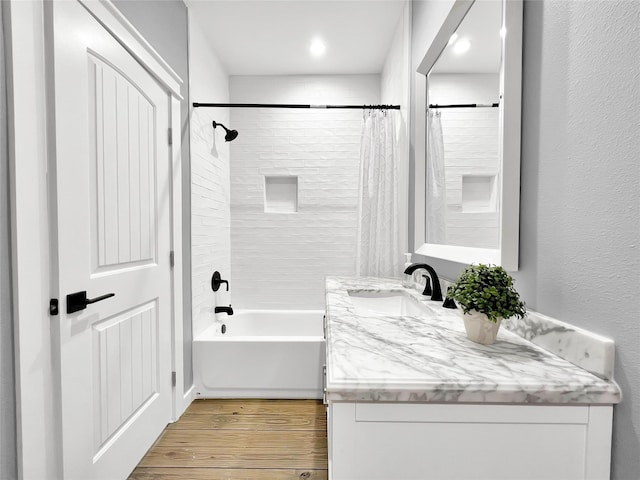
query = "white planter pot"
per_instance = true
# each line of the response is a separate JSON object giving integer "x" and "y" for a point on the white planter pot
{"x": 479, "y": 328}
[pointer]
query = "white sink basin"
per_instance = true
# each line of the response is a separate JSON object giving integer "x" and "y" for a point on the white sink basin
{"x": 394, "y": 303}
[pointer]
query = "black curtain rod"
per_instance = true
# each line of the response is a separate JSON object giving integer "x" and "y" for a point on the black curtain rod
{"x": 467, "y": 105}
{"x": 294, "y": 105}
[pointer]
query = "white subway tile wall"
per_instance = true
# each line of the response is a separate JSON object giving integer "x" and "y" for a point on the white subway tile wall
{"x": 210, "y": 220}
{"x": 280, "y": 260}
{"x": 470, "y": 149}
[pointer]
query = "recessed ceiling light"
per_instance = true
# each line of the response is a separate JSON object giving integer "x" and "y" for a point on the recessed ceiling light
{"x": 461, "y": 46}
{"x": 453, "y": 39}
{"x": 317, "y": 48}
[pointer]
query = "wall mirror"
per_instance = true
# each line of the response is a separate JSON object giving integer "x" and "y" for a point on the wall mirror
{"x": 471, "y": 185}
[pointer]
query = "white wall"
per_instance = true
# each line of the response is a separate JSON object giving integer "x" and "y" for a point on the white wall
{"x": 395, "y": 90}
{"x": 280, "y": 260}
{"x": 471, "y": 144}
{"x": 8, "y": 465}
{"x": 210, "y": 222}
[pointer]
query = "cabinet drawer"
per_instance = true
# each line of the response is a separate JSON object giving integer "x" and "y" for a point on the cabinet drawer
{"x": 459, "y": 413}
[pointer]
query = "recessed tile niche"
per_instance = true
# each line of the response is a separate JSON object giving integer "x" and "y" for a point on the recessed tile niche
{"x": 479, "y": 193}
{"x": 281, "y": 194}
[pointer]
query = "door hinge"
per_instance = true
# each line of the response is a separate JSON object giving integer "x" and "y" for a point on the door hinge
{"x": 174, "y": 380}
{"x": 170, "y": 136}
{"x": 172, "y": 259}
{"x": 53, "y": 307}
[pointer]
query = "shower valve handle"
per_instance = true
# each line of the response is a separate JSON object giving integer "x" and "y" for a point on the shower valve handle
{"x": 216, "y": 281}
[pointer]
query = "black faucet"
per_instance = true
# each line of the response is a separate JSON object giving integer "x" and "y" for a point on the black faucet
{"x": 435, "y": 281}
{"x": 228, "y": 310}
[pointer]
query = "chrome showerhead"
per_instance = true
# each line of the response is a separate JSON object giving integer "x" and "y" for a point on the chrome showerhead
{"x": 231, "y": 134}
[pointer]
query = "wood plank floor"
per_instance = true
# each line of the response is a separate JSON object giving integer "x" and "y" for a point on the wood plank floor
{"x": 241, "y": 440}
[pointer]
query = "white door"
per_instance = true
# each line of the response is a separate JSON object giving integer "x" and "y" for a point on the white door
{"x": 113, "y": 231}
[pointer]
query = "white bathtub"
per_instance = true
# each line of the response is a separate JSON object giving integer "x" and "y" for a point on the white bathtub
{"x": 262, "y": 354}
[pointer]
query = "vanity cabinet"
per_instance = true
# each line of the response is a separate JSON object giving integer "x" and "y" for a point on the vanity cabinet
{"x": 410, "y": 397}
{"x": 422, "y": 441}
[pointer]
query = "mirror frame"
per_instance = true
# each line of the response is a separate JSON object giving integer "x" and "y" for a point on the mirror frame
{"x": 506, "y": 254}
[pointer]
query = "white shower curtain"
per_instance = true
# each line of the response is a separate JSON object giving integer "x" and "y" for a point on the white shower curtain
{"x": 378, "y": 251}
{"x": 436, "y": 187}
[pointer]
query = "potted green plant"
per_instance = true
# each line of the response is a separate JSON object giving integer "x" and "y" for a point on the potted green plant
{"x": 487, "y": 296}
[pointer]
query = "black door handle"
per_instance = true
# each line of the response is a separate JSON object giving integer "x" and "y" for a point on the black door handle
{"x": 78, "y": 301}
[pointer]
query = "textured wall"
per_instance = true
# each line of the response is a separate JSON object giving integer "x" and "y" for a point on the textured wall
{"x": 163, "y": 23}
{"x": 7, "y": 385}
{"x": 210, "y": 180}
{"x": 580, "y": 208}
{"x": 579, "y": 214}
{"x": 471, "y": 145}
{"x": 279, "y": 260}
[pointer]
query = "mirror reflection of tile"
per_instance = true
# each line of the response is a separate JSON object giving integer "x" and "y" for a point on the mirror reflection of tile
{"x": 479, "y": 193}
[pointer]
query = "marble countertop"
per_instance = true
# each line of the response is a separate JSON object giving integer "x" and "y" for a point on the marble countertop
{"x": 430, "y": 359}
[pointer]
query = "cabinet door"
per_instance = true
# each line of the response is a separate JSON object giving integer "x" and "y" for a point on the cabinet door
{"x": 425, "y": 441}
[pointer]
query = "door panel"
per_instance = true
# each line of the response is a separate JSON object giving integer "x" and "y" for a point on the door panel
{"x": 113, "y": 236}
{"x": 123, "y": 170}
{"x": 125, "y": 355}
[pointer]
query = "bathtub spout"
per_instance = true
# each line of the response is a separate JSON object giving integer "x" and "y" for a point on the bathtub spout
{"x": 228, "y": 310}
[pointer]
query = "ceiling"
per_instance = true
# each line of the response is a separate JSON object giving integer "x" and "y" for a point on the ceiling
{"x": 272, "y": 37}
